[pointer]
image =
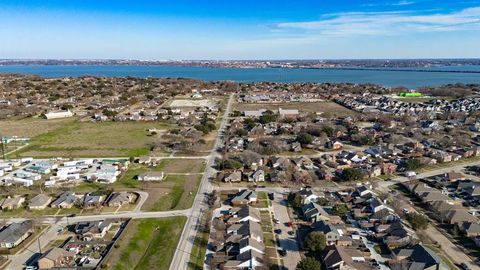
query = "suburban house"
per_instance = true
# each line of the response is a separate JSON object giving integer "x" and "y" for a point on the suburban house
{"x": 419, "y": 257}
{"x": 56, "y": 258}
{"x": 244, "y": 197}
{"x": 151, "y": 176}
{"x": 66, "y": 200}
{"x": 244, "y": 214}
{"x": 247, "y": 260}
{"x": 117, "y": 199}
{"x": 332, "y": 232}
{"x": 470, "y": 229}
{"x": 39, "y": 202}
{"x": 257, "y": 176}
{"x": 307, "y": 195}
{"x": 239, "y": 231}
{"x": 10, "y": 203}
{"x": 235, "y": 176}
{"x": 86, "y": 231}
{"x": 459, "y": 216}
{"x": 15, "y": 233}
{"x": 313, "y": 212}
{"x": 340, "y": 257}
{"x": 144, "y": 159}
{"x": 92, "y": 201}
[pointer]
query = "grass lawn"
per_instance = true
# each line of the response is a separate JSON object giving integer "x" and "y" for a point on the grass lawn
{"x": 147, "y": 244}
{"x": 88, "y": 139}
{"x": 197, "y": 257}
{"x": 180, "y": 196}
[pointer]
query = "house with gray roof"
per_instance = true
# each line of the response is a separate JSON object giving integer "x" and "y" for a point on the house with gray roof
{"x": 244, "y": 214}
{"x": 244, "y": 197}
{"x": 91, "y": 200}
{"x": 66, "y": 200}
{"x": 15, "y": 233}
{"x": 11, "y": 203}
{"x": 470, "y": 229}
{"x": 39, "y": 202}
{"x": 117, "y": 199}
{"x": 420, "y": 257}
{"x": 314, "y": 212}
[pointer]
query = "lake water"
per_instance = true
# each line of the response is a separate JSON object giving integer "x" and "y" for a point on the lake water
{"x": 410, "y": 79}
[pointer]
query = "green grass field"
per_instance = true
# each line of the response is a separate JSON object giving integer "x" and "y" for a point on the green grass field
{"x": 147, "y": 244}
{"x": 88, "y": 139}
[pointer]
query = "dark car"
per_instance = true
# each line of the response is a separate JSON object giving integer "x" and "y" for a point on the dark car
{"x": 464, "y": 266}
{"x": 282, "y": 252}
{"x": 271, "y": 196}
{"x": 278, "y": 231}
{"x": 291, "y": 233}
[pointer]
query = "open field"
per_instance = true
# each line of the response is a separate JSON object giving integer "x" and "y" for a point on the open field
{"x": 175, "y": 192}
{"x": 179, "y": 196}
{"x": 181, "y": 165}
{"x": 147, "y": 244}
{"x": 31, "y": 127}
{"x": 87, "y": 139}
{"x": 323, "y": 106}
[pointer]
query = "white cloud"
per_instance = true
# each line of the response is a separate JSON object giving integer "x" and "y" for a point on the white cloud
{"x": 386, "y": 23}
{"x": 404, "y": 3}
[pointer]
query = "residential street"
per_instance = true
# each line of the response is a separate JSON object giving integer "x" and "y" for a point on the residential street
{"x": 457, "y": 167}
{"x": 454, "y": 252}
{"x": 182, "y": 254}
{"x": 286, "y": 241}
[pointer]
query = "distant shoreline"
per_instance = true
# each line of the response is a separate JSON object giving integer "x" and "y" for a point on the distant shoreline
{"x": 423, "y": 69}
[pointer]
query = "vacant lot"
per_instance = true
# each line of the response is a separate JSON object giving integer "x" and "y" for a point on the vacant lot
{"x": 31, "y": 127}
{"x": 175, "y": 192}
{"x": 181, "y": 165}
{"x": 325, "y": 106}
{"x": 87, "y": 139}
{"x": 147, "y": 244}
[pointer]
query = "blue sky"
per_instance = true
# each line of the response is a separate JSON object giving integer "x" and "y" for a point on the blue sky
{"x": 273, "y": 29}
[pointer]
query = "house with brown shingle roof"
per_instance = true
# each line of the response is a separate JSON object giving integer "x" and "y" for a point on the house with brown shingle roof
{"x": 459, "y": 216}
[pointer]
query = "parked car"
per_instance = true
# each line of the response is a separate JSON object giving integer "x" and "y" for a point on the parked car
{"x": 278, "y": 231}
{"x": 282, "y": 252}
{"x": 271, "y": 196}
{"x": 464, "y": 266}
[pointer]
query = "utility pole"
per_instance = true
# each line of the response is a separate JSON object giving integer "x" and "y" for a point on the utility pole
{"x": 3, "y": 147}
{"x": 39, "y": 246}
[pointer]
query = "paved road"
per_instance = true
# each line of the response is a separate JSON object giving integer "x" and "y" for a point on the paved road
{"x": 182, "y": 254}
{"x": 454, "y": 252}
{"x": 456, "y": 167}
{"x": 33, "y": 250}
{"x": 286, "y": 241}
